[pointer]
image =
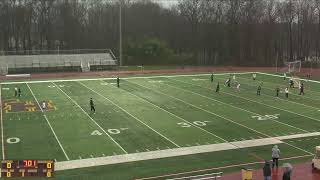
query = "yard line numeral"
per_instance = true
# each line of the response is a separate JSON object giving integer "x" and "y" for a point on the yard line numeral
{"x": 96, "y": 133}
{"x": 111, "y": 131}
{"x": 197, "y": 123}
{"x": 13, "y": 140}
{"x": 267, "y": 117}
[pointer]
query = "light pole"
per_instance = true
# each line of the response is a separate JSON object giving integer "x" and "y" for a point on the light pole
{"x": 120, "y": 33}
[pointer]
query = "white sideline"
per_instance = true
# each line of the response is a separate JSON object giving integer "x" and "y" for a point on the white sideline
{"x": 2, "y": 133}
{"x": 82, "y": 163}
{"x": 136, "y": 77}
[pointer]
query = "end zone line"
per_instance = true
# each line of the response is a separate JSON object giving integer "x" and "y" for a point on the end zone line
{"x": 95, "y": 122}
{"x": 136, "y": 77}
{"x": 2, "y": 133}
{"x": 44, "y": 115}
{"x": 218, "y": 168}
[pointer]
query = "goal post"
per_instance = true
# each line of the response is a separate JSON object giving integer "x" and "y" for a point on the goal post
{"x": 293, "y": 67}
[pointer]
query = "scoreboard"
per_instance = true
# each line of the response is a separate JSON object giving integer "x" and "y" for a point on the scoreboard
{"x": 27, "y": 168}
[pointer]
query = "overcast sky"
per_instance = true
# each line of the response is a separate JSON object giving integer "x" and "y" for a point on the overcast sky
{"x": 167, "y": 3}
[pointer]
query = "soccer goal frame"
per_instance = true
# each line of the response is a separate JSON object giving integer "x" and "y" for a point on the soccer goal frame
{"x": 293, "y": 67}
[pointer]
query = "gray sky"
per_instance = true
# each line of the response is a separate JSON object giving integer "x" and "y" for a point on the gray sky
{"x": 167, "y": 3}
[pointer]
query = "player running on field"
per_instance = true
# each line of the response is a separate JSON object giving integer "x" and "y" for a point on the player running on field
{"x": 212, "y": 77}
{"x": 118, "y": 82}
{"x": 15, "y": 92}
{"x": 287, "y": 92}
{"x": 254, "y": 76}
{"x": 291, "y": 83}
{"x": 228, "y": 81}
{"x": 259, "y": 90}
{"x": 277, "y": 91}
{"x": 19, "y": 92}
{"x": 284, "y": 76}
{"x": 44, "y": 105}
{"x": 92, "y": 108}
{"x": 238, "y": 87}
{"x": 218, "y": 88}
{"x": 301, "y": 89}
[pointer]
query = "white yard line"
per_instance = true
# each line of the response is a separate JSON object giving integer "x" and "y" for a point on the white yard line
{"x": 174, "y": 114}
{"x": 234, "y": 122}
{"x": 281, "y": 98}
{"x": 229, "y": 104}
{"x": 105, "y": 132}
{"x": 130, "y": 114}
{"x": 251, "y": 101}
{"x": 44, "y": 115}
{"x": 2, "y": 133}
{"x": 74, "y": 164}
{"x": 136, "y": 77}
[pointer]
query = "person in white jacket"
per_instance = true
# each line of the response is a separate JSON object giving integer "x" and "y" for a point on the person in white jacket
{"x": 275, "y": 156}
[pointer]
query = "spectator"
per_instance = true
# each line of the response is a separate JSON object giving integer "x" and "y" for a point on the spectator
{"x": 267, "y": 170}
{"x": 275, "y": 156}
{"x": 287, "y": 171}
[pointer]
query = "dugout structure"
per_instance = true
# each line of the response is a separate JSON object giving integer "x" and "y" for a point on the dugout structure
{"x": 79, "y": 60}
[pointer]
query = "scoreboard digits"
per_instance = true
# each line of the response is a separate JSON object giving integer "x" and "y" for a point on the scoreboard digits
{"x": 27, "y": 168}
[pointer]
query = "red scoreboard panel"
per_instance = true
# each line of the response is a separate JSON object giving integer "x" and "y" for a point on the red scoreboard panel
{"x": 27, "y": 168}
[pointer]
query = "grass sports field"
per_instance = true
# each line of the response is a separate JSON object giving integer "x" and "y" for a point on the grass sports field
{"x": 150, "y": 121}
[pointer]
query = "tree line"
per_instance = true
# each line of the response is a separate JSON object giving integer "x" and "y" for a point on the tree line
{"x": 198, "y": 32}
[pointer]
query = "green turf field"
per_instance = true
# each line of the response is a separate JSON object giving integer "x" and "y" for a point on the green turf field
{"x": 157, "y": 113}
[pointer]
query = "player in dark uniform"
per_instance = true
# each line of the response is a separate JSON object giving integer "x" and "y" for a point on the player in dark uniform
{"x": 218, "y": 88}
{"x": 212, "y": 78}
{"x": 92, "y": 109}
{"x": 259, "y": 90}
{"x": 118, "y": 82}
{"x": 291, "y": 83}
{"x": 19, "y": 92}
{"x": 277, "y": 91}
{"x": 228, "y": 82}
{"x": 301, "y": 89}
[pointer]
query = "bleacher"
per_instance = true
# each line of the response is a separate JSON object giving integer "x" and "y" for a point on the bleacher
{"x": 55, "y": 62}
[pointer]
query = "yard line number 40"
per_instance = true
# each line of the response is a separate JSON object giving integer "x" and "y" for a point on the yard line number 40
{"x": 197, "y": 123}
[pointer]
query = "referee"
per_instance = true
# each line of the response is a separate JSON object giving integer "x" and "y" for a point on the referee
{"x": 92, "y": 109}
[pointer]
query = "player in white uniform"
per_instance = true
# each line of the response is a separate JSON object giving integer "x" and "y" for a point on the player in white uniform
{"x": 287, "y": 92}
{"x": 44, "y": 105}
{"x": 254, "y": 76}
{"x": 238, "y": 87}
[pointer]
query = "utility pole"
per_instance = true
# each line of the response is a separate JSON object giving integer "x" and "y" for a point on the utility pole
{"x": 120, "y": 33}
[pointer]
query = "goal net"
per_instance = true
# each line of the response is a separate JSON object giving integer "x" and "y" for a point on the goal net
{"x": 293, "y": 67}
